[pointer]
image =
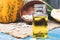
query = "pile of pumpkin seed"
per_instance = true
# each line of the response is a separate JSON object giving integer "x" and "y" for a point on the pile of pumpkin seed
{"x": 19, "y": 30}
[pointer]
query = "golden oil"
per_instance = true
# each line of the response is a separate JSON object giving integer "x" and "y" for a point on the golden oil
{"x": 39, "y": 27}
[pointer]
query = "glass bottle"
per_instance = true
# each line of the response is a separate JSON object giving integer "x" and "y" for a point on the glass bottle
{"x": 40, "y": 19}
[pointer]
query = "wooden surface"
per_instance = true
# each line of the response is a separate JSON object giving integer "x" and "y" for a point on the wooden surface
{"x": 54, "y": 3}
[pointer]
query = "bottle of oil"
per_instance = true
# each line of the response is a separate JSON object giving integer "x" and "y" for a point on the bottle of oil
{"x": 40, "y": 19}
